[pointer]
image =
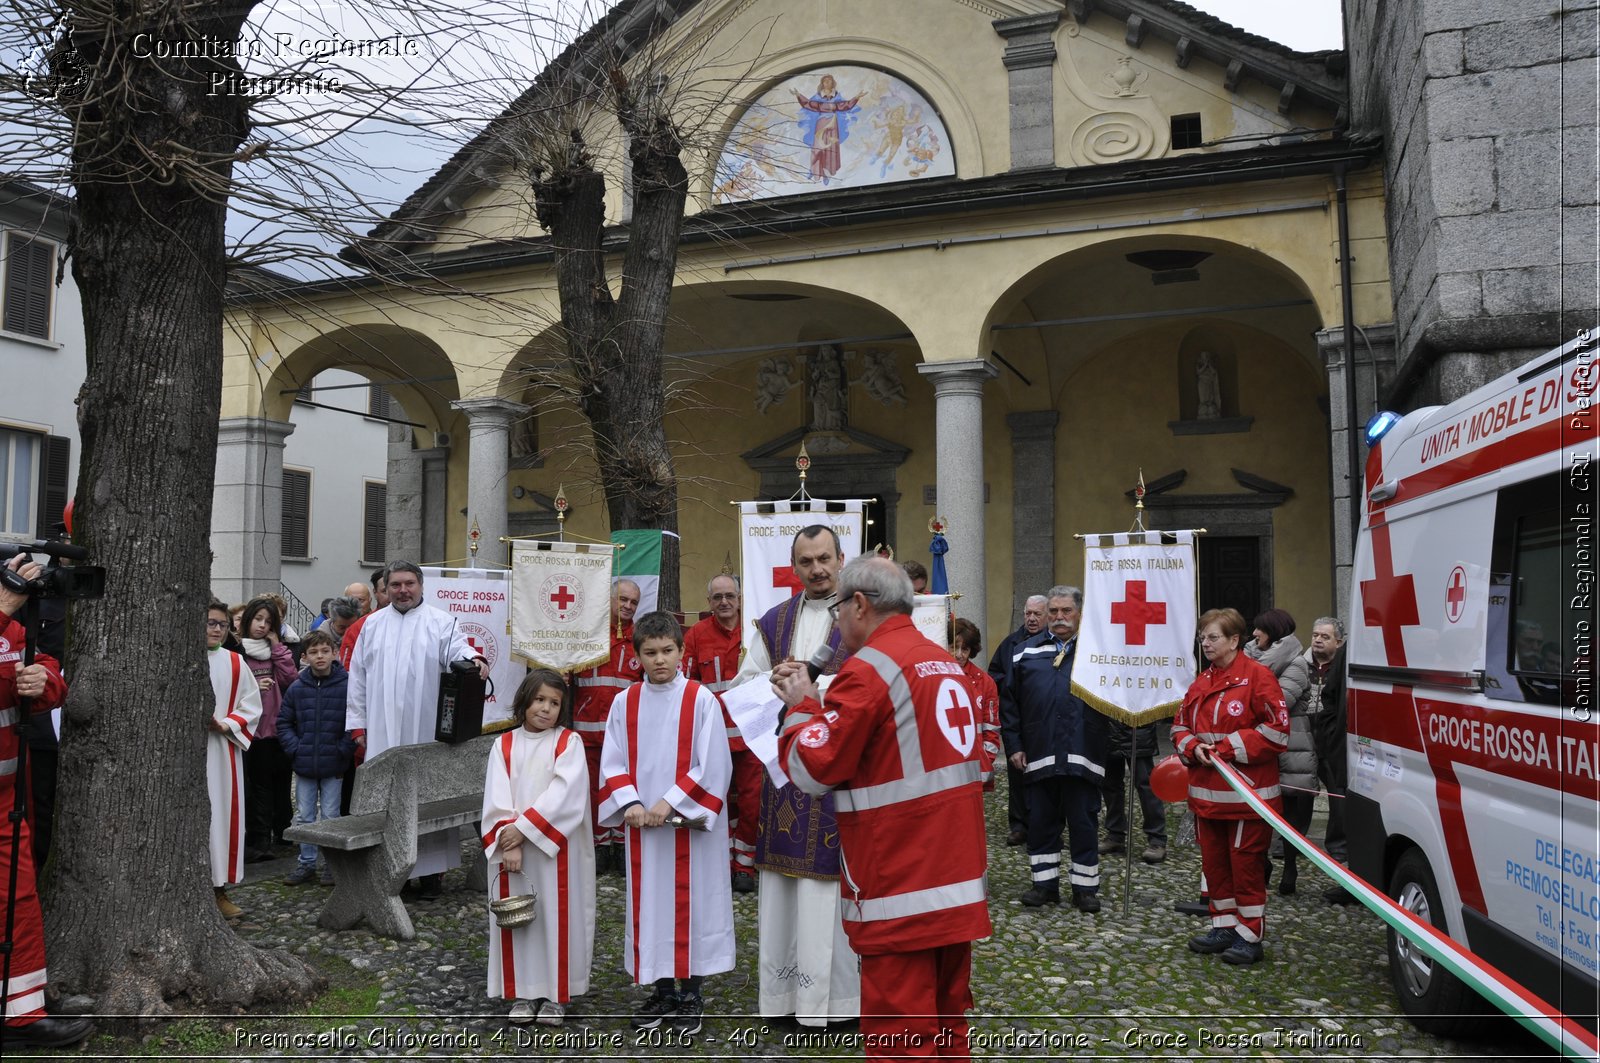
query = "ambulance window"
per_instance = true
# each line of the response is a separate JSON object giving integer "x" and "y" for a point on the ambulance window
{"x": 1529, "y": 596}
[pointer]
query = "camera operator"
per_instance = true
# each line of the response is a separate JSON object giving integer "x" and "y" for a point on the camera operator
{"x": 25, "y": 1020}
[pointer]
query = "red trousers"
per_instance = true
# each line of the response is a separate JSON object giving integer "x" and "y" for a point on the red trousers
{"x": 914, "y": 1004}
{"x": 25, "y": 993}
{"x": 591, "y": 750}
{"x": 1233, "y": 857}
{"x": 745, "y": 797}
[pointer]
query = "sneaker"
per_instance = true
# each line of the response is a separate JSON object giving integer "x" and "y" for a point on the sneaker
{"x": 326, "y": 877}
{"x": 744, "y": 882}
{"x": 1085, "y": 901}
{"x": 690, "y": 1016}
{"x": 300, "y": 876}
{"x": 1038, "y": 898}
{"x": 522, "y": 1013}
{"x": 1153, "y": 854}
{"x": 551, "y": 1014}
{"x": 1217, "y": 939}
{"x": 651, "y": 1012}
{"x": 1243, "y": 952}
{"x": 228, "y": 909}
{"x": 1112, "y": 845}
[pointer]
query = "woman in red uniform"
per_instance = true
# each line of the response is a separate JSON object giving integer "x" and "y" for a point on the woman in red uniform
{"x": 1234, "y": 711}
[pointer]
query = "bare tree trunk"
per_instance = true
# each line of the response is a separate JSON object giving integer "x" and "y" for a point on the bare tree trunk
{"x": 615, "y": 345}
{"x": 130, "y": 914}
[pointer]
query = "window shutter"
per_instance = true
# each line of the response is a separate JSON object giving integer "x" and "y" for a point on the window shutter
{"x": 54, "y": 490}
{"x": 378, "y": 401}
{"x": 296, "y": 513}
{"x": 374, "y": 523}
{"x": 28, "y": 279}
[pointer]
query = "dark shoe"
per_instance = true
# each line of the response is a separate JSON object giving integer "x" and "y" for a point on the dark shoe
{"x": 1016, "y": 837}
{"x": 1338, "y": 895}
{"x": 1038, "y": 898}
{"x": 1217, "y": 939}
{"x": 689, "y": 1017}
{"x": 258, "y": 856}
{"x": 1085, "y": 901}
{"x": 48, "y": 1032}
{"x": 1286, "y": 882}
{"x": 430, "y": 886}
{"x": 410, "y": 888}
{"x": 744, "y": 882}
{"x": 326, "y": 878}
{"x": 1153, "y": 853}
{"x": 1112, "y": 845}
{"x": 1243, "y": 952}
{"x": 1200, "y": 907}
{"x": 300, "y": 876}
{"x": 651, "y": 1013}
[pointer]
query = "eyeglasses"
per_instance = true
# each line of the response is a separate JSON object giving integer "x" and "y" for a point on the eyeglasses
{"x": 220, "y": 625}
{"x": 1215, "y": 638}
{"x": 833, "y": 610}
{"x": 724, "y": 597}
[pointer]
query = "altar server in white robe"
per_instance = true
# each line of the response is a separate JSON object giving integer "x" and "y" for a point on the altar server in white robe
{"x": 538, "y": 840}
{"x": 394, "y": 688}
{"x": 667, "y": 768}
{"x": 236, "y": 709}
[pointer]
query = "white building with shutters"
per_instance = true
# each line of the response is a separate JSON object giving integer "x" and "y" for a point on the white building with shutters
{"x": 41, "y": 361}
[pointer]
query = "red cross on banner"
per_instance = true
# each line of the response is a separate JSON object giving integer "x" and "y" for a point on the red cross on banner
{"x": 1134, "y": 613}
{"x": 959, "y": 716}
{"x": 783, "y": 576}
{"x": 1389, "y": 601}
{"x": 563, "y": 597}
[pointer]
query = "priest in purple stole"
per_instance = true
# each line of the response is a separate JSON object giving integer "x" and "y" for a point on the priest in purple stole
{"x": 806, "y": 972}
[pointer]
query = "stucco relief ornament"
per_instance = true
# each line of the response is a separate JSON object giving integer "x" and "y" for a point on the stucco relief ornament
{"x": 1125, "y": 79}
{"x": 774, "y": 381}
{"x": 881, "y": 377}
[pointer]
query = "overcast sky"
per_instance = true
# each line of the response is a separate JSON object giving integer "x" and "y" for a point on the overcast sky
{"x": 1309, "y": 25}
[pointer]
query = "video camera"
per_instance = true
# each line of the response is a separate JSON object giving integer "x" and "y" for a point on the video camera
{"x": 57, "y": 580}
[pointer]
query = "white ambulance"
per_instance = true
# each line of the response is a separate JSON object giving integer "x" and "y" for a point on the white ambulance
{"x": 1473, "y": 727}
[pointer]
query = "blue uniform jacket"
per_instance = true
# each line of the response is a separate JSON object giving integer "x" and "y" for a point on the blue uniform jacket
{"x": 311, "y": 726}
{"x": 1059, "y": 733}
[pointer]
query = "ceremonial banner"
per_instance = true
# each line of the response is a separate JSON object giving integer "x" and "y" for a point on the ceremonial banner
{"x": 931, "y": 615}
{"x": 766, "y": 530}
{"x": 1135, "y": 653}
{"x": 561, "y": 604}
{"x": 638, "y": 558}
{"x": 480, "y": 601}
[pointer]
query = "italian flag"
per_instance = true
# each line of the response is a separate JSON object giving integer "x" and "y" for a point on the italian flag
{"x": 638, "y": 557}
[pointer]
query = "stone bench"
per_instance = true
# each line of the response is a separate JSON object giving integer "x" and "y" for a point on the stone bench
{"x": 400, "y": 794}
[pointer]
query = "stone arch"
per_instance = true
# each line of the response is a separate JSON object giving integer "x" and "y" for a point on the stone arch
{"x": 419, "y": 373}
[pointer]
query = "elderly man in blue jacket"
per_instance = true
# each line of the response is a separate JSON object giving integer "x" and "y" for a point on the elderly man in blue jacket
{"x": 1059, "y": 743}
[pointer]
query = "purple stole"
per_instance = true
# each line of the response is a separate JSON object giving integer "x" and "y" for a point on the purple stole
{"x": 797, "y": 834}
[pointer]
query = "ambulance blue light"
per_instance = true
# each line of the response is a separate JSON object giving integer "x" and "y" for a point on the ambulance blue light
{"x": 1379, "y": 424}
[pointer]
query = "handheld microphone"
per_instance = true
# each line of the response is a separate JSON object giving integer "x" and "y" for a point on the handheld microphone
{"x": 819, "y": 660}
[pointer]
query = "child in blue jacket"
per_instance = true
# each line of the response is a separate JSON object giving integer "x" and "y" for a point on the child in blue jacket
{"x": 312, "y": 732}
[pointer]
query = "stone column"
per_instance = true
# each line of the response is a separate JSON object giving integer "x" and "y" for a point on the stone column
{"x": 1375, "y": 368}
{"x": 1033, "y": 505}
{"x": 1030, "y": 59}
{"x": 402, "y": 511}
{"x": 958, "y": 429}
{"x": 247, "y": 507}
{"x": 489, "y": 423}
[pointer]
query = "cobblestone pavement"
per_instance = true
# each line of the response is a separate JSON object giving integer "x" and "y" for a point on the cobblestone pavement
{"x": 1049, "y": 984}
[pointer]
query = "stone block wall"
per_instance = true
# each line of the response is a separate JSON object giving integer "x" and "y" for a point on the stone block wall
{"x": 1488, "y": 112}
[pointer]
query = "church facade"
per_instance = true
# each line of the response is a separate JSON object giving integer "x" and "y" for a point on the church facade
{"x": 989, "y": 260}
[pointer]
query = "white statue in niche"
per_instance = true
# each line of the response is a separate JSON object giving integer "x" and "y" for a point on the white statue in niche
{"x": 773, "y": 382}
{"x": 827, "y": 389}
{"x": 881, "y": 377}
{"x": 1208, "y": 386}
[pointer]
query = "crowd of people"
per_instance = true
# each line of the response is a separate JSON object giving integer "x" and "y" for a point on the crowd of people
{"x": 635, "y": 767}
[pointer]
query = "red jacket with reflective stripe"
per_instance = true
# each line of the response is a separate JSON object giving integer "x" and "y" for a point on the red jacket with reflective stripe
{"x": 711, "y": 657}
{"x": 1241, "y": 710}
{"x": 596, "y": 688}
{"x": 897, "y": 742}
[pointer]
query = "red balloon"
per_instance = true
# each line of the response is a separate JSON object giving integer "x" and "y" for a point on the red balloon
{"x": 66, "y": 515}
{"x": 1169, "y": 780}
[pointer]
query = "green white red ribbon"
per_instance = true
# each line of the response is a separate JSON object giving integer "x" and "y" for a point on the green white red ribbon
{"x": 1548, "y": 1023}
